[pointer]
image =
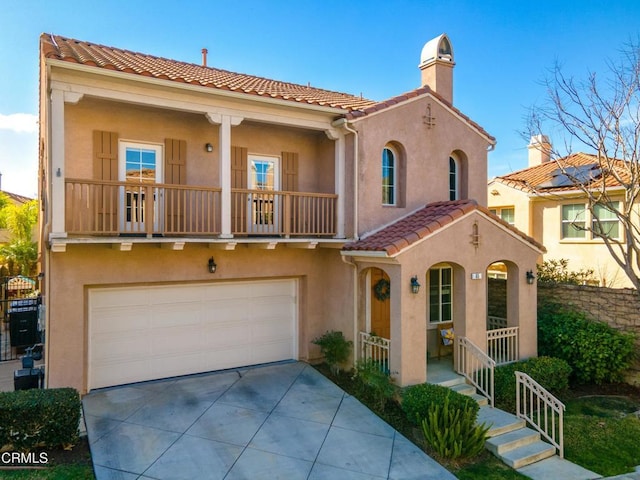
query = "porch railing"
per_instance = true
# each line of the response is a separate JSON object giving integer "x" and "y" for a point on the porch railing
{"x": 493, "y": 322}
{"x": 540, "y": 409}
{"x": 94, "y": 207}
{"x": 476, "y": 366}
{"x": 376, "y": 349}
{"x": 265, "y": 212}
{"x": 502, "y": 345}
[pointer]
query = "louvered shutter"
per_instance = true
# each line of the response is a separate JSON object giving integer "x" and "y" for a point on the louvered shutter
{"x": 105, "y": 166}
{"x": 175, "y": 200}
{"x": 239, "y": 181}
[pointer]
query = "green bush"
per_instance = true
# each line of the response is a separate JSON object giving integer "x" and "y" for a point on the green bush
{"x": 597, "y": 352}
{"x": 551, "y": 373}
{"x": 373, "y": 382}
{"x": 418, "y": 399}
{"x": 452, "y": 431}
{"x": 39, "y": 418}
{"x": 335, "y": 348}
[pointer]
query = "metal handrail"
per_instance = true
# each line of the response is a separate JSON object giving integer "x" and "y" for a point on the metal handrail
{"x": 476, "y": 366}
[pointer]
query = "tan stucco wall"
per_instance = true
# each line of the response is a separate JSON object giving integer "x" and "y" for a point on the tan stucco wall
{"x": 452, "y": 245}
{"x": 427, "y": 159}
{"x": 325, "y": 295}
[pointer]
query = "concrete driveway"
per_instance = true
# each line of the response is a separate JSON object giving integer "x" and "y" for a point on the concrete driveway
{"x": 276, "y": 421}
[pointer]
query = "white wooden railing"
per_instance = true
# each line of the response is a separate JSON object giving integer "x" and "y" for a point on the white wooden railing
{"x": 541, "y": 409}
{"x": 476, "y": 366}
{"x": 494, "y": 323}
{"x": 376, "y": 349}
{"x": 502, "y": 345}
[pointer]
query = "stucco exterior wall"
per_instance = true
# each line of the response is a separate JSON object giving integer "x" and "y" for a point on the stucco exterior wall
{"x": 426, "y": 157}
{"x": 325, "y": 290}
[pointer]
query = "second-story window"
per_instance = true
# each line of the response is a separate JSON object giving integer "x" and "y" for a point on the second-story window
{"x": 453, "y": 179}
{"x": 389, "y": 176}
{"x": 505, "y": 213}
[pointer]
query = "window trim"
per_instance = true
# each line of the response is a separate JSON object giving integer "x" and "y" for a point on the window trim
{"x": 455, "y": 171}
{"x": 589, "y": 219}
{"x": 394, "y": 180}
{"x": 440, "y": 303}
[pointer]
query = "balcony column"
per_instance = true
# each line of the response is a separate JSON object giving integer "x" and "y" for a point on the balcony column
{"x": 56, "y": 170}
{"x": 225, "y": 122}
{"x": 340, "y": 183}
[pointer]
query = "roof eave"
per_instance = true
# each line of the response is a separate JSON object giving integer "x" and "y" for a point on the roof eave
{"x": 52, "y": 62}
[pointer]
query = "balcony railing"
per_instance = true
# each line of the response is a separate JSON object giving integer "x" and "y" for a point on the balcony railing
{"x": 94, "y": 207}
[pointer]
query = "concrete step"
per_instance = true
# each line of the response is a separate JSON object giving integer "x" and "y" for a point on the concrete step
{"x": 528, "y": 454}
{"x": 464, "y": 389}
{"x": 501, "y": 422}
{"x": 512, "y": 440}
{"x": 454, "y": 381}
{"x": 482, "y": 400}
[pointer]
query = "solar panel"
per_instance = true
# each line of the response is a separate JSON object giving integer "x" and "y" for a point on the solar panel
{"x": 573, "y": 175}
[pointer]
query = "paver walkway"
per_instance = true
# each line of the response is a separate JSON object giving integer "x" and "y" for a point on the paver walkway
{"x": 277, "y": 421}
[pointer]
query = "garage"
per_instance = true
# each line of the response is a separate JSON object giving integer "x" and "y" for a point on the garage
{"x": 147, "y": 332}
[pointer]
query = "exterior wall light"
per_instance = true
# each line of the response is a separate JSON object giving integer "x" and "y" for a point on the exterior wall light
{"x": 212, "y": 266}
{"x": 415, "y": 286}
{"x": 530, "y": 277}
{"x": 208, "y": 147}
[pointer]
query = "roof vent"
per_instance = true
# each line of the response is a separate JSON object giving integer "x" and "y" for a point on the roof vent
{"x": 204, "y": 57}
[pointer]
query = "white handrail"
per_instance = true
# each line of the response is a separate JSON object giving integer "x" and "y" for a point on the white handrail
{"x": 541, "y": 409}
{"x": 494, "y": 322}
{"x": 476, "y": 366}
{"x": 376, "y": 349}
{"x": 502, "y": 345}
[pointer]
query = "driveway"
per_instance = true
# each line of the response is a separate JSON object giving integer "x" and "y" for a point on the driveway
{"x": 279, "y": 421}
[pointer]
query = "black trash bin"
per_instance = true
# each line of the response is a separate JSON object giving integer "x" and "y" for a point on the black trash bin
{"x": 23, "y": 322}
{"x": 26, "y": 378}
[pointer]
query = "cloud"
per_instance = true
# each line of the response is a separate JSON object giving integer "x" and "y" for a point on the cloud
{"x": 19, "y": 122}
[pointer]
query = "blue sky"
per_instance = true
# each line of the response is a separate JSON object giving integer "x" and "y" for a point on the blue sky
{"x": 503, "y": 50}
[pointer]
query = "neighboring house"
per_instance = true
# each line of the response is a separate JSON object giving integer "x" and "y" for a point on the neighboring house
{"x": 197, "y": 219}
{"x": 542, "y": 201}
{"x": 18, "y": 200}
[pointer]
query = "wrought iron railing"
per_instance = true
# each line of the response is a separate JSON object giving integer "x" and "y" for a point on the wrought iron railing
{"x": 540, "y": 409}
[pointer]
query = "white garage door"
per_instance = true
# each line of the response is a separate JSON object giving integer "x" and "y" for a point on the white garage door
{"x": 144, "y": 333}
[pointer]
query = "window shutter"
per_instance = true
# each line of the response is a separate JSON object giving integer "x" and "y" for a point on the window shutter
{"x": 175, "y": 155}
{"x": 105, "y": 167}
{"x": 289, "y": 171}
{"x": 238, "y": 167}
{"x": 105, "y": 155}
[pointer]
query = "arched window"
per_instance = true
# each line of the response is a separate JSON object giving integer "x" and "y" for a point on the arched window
{"x": 389, "y": 176}
{"x": 454, "y": 189}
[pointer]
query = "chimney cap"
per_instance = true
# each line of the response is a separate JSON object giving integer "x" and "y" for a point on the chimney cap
{"x": 538, "y": 140}
{"x": 437, "y": 49}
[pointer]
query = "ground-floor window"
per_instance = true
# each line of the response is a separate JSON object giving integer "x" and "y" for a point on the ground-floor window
{"x": 440, "y": 294}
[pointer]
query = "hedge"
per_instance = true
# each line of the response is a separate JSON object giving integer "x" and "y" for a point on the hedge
{"x": 417, "y": 399}
{"x": 37, "y": 418}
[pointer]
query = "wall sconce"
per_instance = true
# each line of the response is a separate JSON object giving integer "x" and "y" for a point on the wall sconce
{"x": 208, "y": 147}
{"x": 530, "y": 277}
{"x": 212, "y": 266}
{"x": 415, "y": 286}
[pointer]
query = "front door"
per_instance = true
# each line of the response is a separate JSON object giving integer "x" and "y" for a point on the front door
{"x": 140, "y": 167}
{"x": 380, "y": 304}
{"x": 264, "y": 181}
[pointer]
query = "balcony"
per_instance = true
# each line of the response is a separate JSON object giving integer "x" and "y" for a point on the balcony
{"x": 108, "y": 208}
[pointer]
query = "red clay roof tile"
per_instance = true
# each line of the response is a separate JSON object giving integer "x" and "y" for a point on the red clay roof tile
{"x": 416, "y": 226}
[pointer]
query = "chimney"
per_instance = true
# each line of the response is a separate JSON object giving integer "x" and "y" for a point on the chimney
{"x": 204, "y": 57}
{"x": 539, "y": 150}
{"x": 436, "y": 65}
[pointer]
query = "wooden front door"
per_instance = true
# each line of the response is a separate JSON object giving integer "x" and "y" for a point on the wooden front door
{"x": 380, "y": 308}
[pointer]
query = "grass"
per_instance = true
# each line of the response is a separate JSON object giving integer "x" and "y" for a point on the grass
{"x": 58, "y": 472}
{"x": 602, "y": 434}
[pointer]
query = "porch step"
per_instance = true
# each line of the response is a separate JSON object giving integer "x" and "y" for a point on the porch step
{"x": 512, "y": 440}
{"x": 527, "y": 454}
{"x": 481, "y": 399}
{"x": 501, "y": 422}
{"x": 464, "y": 389}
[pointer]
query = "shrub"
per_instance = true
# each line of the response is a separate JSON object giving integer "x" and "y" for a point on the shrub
{"x": 417, "y": 400}
{"x": 551, "y": 373}
{"x": 557, "y": 272}
{"x": 39, "y": 418}
{"x": 373, "y": 382}
{"x": 597, "y": 352}
{"x": 452, "y": 431}
{"x": 335, "y": 348}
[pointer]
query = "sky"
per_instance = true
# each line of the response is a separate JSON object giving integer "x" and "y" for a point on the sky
{"x": 503, "y": 52}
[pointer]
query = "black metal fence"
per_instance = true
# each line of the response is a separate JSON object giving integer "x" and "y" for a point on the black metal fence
{"x": 21, "y": 314}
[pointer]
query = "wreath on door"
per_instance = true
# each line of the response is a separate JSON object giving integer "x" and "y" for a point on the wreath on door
{"x": 382, "y": 289}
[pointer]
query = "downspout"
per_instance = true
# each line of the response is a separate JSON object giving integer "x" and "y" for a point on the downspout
{"x": 344, "y": 123}
{"x": 351, "y": 262}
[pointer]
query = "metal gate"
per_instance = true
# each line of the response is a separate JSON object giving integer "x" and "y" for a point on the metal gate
{"x": 20, "y": 311}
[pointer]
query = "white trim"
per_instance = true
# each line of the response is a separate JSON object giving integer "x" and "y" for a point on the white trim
{"x": 394, "y": 180}
{"x": 367, "y": 299}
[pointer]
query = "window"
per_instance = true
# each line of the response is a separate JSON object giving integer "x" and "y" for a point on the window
{"x": 440, "y": 294}
{"x": 453, "y": 179}
{"x": 389, "y": 176}
{"x": 573, "y": 220}
{"x": 508, "y": 214}
{"x": 609, "y": 224}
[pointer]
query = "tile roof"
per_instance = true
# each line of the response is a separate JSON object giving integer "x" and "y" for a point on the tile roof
{"x": 110, "y": 58}
{"x": 15, "y": 198}
{"x": 424, "y": 90}
{"x": 394, "y": 238}
{"x": 540, "y": 177}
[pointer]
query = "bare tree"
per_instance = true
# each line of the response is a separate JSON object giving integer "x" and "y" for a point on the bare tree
{"x": 602, "y": 116}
